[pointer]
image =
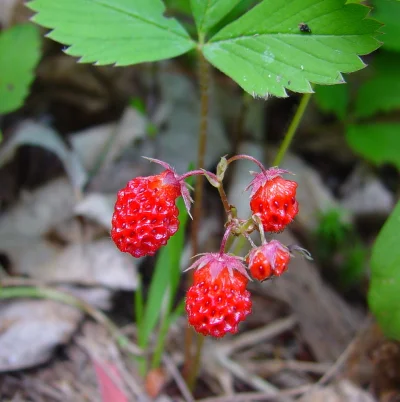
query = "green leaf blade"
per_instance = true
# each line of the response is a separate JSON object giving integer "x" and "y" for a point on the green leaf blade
{"x": 384, "y": 292}
{"x": 379, "y": 143}
{"x": 265, "y": 52}
{"x": 388, "y": 11}
{"x": 19, "y": 56}
{"x": 208, "y": 13}
{"x": 119, "y": 32}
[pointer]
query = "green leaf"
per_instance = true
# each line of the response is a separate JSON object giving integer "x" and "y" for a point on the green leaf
{"x": 120, "y": 32}
{"x": 388, "y": 12}
{"x": 19, "y": 55}
{"x": 265, "y": 51}
{"x": 379, "y": 143}
{"x": 210, "y": 12}
{"x": 179, "y": 6}
{"x": 384, "y": 292}
{"x": 333, "y": 98}
{"x": 241, "y": 8}
{"x": 382, "y": 92}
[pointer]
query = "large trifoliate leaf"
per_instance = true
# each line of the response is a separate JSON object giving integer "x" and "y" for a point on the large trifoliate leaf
{"x": 384, "y": 292}
{"x": 382, "y": 92}
{"x": 379, "y": 143}
{"x": 388, "y": 12}
{"x": 208, "y": 13}
{"x": 113, "y": 31}
{"x": 268, "y": 48}
{"x": 19, "y": 55}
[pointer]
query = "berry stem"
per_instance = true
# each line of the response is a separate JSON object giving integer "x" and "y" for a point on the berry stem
{"x": 225, "y": 202}
{"x": 225, "y": 238}
{"x": 257, "y": 220}
{"x": 250, "y": 158}
{"x": 249, "y": 239}
{"x": 197, "y": 172}
{"x": 292, "y": 129}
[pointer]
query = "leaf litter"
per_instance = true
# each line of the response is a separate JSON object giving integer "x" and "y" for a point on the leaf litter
{"x": 53, "y": 236}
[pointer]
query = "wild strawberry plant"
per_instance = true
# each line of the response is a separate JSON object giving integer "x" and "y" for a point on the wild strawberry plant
{"x": 268, "y": 49}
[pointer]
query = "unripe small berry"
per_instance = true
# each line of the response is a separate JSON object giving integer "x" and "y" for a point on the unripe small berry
{"x": 270, "y": 259}
{"x": 273, "y": 200}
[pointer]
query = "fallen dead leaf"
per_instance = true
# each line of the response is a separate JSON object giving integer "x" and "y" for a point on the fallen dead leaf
{"x": 37, "y": 212}
{"x": 98, "y": 208}
{"x": 98, "y": 263}
{"x": 90, "y": 144}
{"x": 33, "y": 329}
{"x": 31, "y": 133}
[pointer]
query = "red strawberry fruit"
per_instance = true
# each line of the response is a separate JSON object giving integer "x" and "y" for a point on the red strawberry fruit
{"x": 273, "y": 199}
{"x": 218, "y": 300}
{"x": 270, "y": 259}
{"x": 145, "y": 215}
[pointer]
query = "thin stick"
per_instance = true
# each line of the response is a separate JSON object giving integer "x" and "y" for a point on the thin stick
{"x": 180, "y": 382}
{"x": 292, "y": 129}
{"x": 340, "y": 361}
{"x": 259, "y": 396}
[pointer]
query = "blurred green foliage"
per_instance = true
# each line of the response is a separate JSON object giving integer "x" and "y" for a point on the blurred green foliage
{"x": 384, "y": 294}
{"x": 371, "y": 123}
{"x": 335, "y": 236}
{"x": 19, "y": 55}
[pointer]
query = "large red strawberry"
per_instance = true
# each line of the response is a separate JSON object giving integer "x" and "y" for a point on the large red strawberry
{"x": 145, "y": 215}
{"x": 218, "y": 300}
{"x": 273, "y": 199}
{"x": 269, "y": 259}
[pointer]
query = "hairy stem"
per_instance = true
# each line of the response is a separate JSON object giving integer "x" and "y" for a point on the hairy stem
{"x": 224, "y": 239}
{"x": 198, "y": 172}
{"x": 287, "y": 140}
{"x": 191, "y": 367}
{"x": 225, "y": 202}
{"x": 248, "y": 157}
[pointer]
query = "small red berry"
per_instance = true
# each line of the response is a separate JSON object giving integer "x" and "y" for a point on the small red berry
{"x": 145, "y": 215}
{"x": 270, "y": 259}
{"x": 218, "y": 300}
{"x": 273, "y": 199}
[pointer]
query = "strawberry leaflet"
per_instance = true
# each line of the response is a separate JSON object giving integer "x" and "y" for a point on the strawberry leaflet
{"x": 266, "y": 50}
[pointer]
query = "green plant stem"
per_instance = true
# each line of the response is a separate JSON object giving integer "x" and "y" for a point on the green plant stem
{"x": 56, "y": 295}
{"x": 159, "y": 348}
{"x": 196, "y": 362}
{"x": 287, "y": 140}
{"x": 163, "y": 332}
{"x": 190, "y": 369}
